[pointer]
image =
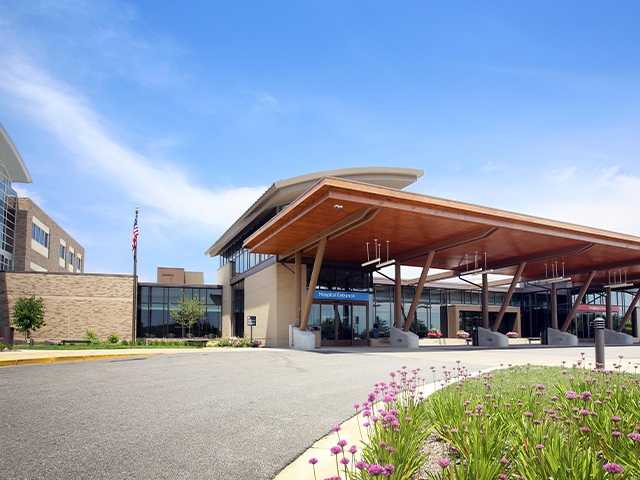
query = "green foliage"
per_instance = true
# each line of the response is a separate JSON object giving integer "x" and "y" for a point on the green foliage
{"x": 529, "y": 418}
{"x": 235, "y": 342}
{"x": 113, "y": 338}
{"x": 188, "y": 312}
{"x": 91, "y": 336}
{"x": 5, "y": 346}
{"x": 28, "y": 315}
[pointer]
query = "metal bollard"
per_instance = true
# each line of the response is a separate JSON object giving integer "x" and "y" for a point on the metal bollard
{"x": 598, "y": 334}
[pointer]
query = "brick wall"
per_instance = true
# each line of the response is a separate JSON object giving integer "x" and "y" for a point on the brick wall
{"x": 74, "y": 302}
{"x": 24, "y": 253}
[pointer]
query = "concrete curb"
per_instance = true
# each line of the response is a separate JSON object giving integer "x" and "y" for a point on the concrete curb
{"x": 67, "y": 358}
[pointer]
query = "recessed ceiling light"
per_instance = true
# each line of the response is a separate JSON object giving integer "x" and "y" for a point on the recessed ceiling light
{"x": 337, "y": 205}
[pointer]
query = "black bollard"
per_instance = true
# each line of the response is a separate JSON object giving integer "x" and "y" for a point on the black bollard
{"x": 598, "y": 326}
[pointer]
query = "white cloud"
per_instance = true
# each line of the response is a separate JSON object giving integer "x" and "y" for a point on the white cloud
{"x": 163, "y": 188}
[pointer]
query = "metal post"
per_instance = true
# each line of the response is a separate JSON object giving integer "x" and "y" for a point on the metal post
{"x": 598, "y": 325}
{"x": 397, "y": 297}
{"x": 485, "y": 301}
{"x": 609, "y": 313}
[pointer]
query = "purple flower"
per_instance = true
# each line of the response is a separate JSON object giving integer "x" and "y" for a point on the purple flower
{"x": 612, "y": 468}
{"x": 360, "y": 465}
{"x": 539, "y": 446}
{"x": 313, "y": 460}
{"x": 635, "y": 436}
{"x": 444, "y": 462}
{"x": 389, "y": 469}
{"x": 528, "y": 414}
{"x": 344, "y": 461}
{"x": 375, "y": 469}
{"x": 335, "y": 428}
{"x": 585, "y": 395}
{"x": 342, "y": 443}
{"x": 570, "y": 395}
{"x": 353, "y": 449}
{"x": 615, "y": 419}
{"x": 585, "y": 429}
{"x": 616, "y": 434}
{"x": 335, "y": 450}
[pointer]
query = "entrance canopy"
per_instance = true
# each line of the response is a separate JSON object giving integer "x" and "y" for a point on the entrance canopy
{"x": 460, "y": 236}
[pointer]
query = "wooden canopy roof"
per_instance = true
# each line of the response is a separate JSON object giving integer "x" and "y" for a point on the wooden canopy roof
{"x": 350, "y": 214}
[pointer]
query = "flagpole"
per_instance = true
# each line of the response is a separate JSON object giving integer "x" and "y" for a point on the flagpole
{"x": 135, "y": 286}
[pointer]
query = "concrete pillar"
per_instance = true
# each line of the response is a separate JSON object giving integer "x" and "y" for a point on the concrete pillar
{"x": 484, "y": 300}
{"x": 297, "y": 289}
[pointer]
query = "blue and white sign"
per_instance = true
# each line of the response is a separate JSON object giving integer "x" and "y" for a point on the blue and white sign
{"x": 341, "y": 296}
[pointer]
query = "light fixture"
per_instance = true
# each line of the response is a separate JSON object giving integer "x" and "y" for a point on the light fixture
{"x": 546, "y": 281}
{"x": 619, "y": 285}
{"x": 337, "y": 206}
{"x": 375, "y": 261}
{"x": 476, "y": 271}
{"x": 386, "y": 264}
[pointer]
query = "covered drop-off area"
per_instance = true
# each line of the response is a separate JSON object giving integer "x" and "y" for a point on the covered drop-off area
{"x": 339, "y": 221}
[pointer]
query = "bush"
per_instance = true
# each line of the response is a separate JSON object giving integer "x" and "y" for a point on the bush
{"x": 5, "y": 346}
{"x": 91, "y": 336}
{"x": 113, "y": 338}
{"x": 234, "y": 342}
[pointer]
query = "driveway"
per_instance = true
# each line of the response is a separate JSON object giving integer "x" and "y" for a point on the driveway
{"x": 241, "y": 414}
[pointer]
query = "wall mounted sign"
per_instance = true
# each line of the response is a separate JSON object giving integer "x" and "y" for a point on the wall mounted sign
{"x": 341, "y": 296}
{"x": 590, "y": 308}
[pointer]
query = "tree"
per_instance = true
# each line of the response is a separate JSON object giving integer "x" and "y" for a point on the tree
{"x": 28, "y": 315}
{"x": 187, "y": 313}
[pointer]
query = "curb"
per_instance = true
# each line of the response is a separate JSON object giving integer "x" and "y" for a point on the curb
{"x": 64, "y": 359}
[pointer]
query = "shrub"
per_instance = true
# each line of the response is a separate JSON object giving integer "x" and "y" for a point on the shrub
{"x": 91, "y": 336}
{"x": 113, "y": 338}
{"x": 5, "y": 346}
{"x": 234, "y": 342}
{"x": 28, "y": 315}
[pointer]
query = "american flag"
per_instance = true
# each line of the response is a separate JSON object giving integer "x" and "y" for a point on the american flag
{"x": 135, "y": 233}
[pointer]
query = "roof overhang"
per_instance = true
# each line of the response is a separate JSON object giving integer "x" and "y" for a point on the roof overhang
{"x": 10, "y": 158}
{"x": 460, "y": 233}
{"x": 286, "y": 191}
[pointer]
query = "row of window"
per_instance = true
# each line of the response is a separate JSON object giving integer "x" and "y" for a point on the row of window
{"x": 39, "y": 235}
{"x": 244, "y": 259}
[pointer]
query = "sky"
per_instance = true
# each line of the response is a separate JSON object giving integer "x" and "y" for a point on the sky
{"x": 190, "y": 110}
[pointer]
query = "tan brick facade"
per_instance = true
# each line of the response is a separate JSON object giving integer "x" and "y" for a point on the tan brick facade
{"x": 29, "y": 257}
{"x": 74, "y": 302}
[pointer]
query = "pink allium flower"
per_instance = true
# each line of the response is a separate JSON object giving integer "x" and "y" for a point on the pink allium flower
{"x": 570, "y": 395}
{"x": 360, "y": 465}
{"x": 616, "y": 434}
{"x": 586, "y": 395}
{"x": 313, "y": 460}
{"x": 344, "y": 461}
{"x": 504, "y": 461}
{"x": 584, "y": 412}
{"x": 335, "y": 450}
{"x": 528, "y": 414}
{"x": 615, "y": 419}
{"x": 353, "y": 449}
{"x": 635, "y": 436}
{"x": 342, "y": 442}
{"x": 335, "y": 428}
{"x": 539, "y": 446}
{"x": 444, "y": 462}
{"x": 389, "y": 469}
{"x": 585, "y": 429}
{"x": 375, "y": 469}
{"x": 612, "y": 468}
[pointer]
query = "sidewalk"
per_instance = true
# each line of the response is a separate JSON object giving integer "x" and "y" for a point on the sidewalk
{"x": 31, "y": 357}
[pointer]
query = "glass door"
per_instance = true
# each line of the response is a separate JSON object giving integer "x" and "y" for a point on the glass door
{"x": 360, "y": 323}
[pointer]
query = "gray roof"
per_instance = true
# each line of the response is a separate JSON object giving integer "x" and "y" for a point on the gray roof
{"x": 11, "y": 160}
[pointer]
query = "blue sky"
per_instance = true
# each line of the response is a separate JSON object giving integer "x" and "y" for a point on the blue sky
{"x": 189, "y": 110}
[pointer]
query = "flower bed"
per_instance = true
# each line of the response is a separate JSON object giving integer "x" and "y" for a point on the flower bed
{"x": 520, "y": 423}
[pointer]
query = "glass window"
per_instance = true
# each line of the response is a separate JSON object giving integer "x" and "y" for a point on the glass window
{"x": 62, "y": 252}
{"x": 39, "y": 235}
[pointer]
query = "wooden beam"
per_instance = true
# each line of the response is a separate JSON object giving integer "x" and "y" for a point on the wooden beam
{"x": 484, "y": 300}
{"x": 554, "y": 305}
{"x": 451, "y": 242}
{"x": 419, "y": 288}
{"x": 628, "y": 315}
{"x": 397, "y": 297}
{"x": 508, "y": 296}
{"x": 574, "y": 308}
{"x": 345, "y": 225}
{"x": 313, "y": 282}
{"x": 297, "y": 284}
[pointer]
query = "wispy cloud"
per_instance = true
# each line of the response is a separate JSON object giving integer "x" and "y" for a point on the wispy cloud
{"x": 164, "y": 188}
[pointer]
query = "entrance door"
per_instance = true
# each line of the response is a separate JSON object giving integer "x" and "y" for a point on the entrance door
{"x": 343, "y": 324}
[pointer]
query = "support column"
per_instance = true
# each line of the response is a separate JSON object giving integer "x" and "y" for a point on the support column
{"x": 484, "y": 299}
{"x": 609, "y": 311}
{"x": 419, "y": 288}
{"x": 313, "y": 282}
{"x": 554, "y": 305}
{"x": 297, "y": 290}
{"x": 508, "y": 296}
{"x": 397, "y": 297}
{"x": 574, "y": 308}
{"x": 630, "y": 310}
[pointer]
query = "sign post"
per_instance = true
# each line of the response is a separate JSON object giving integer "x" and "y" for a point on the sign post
{"x": 251, "y": 322}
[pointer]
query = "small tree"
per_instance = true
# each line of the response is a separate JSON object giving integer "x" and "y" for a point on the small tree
{"x": 28, "y": 315}
{"x": 187, "y": 313}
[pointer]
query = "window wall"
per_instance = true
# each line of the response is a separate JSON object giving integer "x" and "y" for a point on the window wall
{"x": 154, "y": 311}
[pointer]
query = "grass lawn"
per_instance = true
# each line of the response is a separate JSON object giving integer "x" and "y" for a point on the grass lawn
{"x": 520, "y": 423}
{"x": 97, "y": 346}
